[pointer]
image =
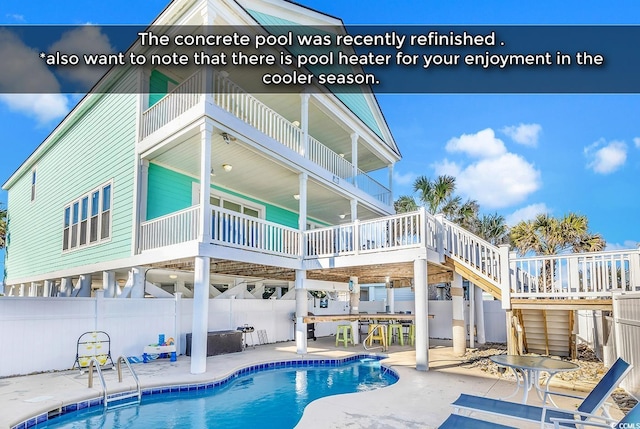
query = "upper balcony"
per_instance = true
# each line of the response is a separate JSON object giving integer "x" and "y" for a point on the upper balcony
{"x": 341, "y": 154}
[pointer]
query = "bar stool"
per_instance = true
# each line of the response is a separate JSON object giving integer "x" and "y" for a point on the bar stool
{"x": 393, "y": 330}
{"x": 411, "y": 333}
{"x": 378, "y": 333}
{"x": 344, "y": 335}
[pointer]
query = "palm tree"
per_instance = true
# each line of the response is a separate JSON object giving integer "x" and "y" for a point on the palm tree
{"x": 546, "y": 235}
{"x": 434, "y": 194}
{"x": 492, "y": 228}
{"x": 3, "y": 227}
{"x": 404, "y": 204}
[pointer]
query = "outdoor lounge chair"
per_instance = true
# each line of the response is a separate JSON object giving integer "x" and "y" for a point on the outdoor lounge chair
{"x": 632, "y": 419}
{"x": 589, "y": 406}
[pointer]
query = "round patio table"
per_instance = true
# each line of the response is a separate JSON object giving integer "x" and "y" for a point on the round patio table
{"x": 529, "y": 368}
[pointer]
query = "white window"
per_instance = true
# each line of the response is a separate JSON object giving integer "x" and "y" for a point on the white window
{"x": 87, "y": 220}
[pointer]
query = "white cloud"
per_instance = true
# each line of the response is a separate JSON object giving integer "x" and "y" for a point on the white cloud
{"x": 404, "y": 179}
{"x": 497, "y": 179}
{"x": 43, "y": 107}
{"x": 524, "y": 134}
{"x": 482, "y": 144}
{"x": 83, "y": 40}
{"x": 27, "y": 73}
{"x": 605, "y": 158}
{"x": 446, "y": 167}
{"x": 636, "y": 141}
{"x": 499, "y": 182}
{"x": 526, "y": 213}
{"x": 626, "y": 245}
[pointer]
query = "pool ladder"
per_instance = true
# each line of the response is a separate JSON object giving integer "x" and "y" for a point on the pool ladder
{"x": 116, "y": 397}
{"x": 381, "y": 329}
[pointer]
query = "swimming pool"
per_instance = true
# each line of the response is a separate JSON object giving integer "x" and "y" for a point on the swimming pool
{"x": 266, "y": 396}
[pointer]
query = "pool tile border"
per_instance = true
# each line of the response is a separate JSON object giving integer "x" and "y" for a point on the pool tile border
{"x": 300, "y": 363}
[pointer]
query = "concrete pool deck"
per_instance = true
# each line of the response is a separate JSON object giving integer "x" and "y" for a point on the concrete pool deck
{"x": 417, "y": 400}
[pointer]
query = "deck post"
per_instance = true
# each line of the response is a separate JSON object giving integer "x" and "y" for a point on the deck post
{"x": 354, "y": 157}
{"x": 479, "y": 302}
{"x": 420, "y": 272}
{"x": 84, "y": 285}
{"x": 109, "y": 283}
{"x": 204, "y": 228}
{"x": 457, "y": 298}
{"x": 304, "y": 123}
{"x": 505, "y": 275}
{"x": 200, "y": 321}
{"x": 354, "y": 307}
{"x": 302, "y": 310}
{"x": 66, "y": 285}
{"x": 138, "y": 279}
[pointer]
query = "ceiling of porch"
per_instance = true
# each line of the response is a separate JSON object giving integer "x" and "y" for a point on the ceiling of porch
{"x": 256, "y": 176}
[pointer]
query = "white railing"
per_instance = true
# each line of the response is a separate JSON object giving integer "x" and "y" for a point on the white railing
{"x": 330, "y": 161}
{"x": 472, "y": 251}
{"x": 372, "y": 187}
{"x": 175, "y": 103}
{"x": 235, "y": 100}
{"x": 388, "y": 233}
{"x": 174, "y": 228}
{"x": 238, "y": 230}
{"x": 575, "y": 275}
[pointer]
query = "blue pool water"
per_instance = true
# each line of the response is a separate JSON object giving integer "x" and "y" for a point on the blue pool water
{"x": 271, "y": 398}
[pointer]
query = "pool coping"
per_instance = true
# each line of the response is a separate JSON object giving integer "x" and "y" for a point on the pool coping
{"x": 91, "y": 401}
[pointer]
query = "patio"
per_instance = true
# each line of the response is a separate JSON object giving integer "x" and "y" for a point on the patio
{"x": 417, "y": 400}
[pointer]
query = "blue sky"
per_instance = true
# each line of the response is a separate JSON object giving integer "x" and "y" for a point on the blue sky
{"x": 515, "y": 154}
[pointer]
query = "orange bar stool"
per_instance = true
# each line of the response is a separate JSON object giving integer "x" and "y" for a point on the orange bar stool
{"x": 344, "y": 335}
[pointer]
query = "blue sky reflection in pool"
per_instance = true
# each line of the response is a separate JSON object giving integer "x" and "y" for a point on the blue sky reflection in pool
{"x": 266, "y": 399}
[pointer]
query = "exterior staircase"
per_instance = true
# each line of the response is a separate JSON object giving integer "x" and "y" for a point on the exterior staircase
{"x": 546, "y": 332}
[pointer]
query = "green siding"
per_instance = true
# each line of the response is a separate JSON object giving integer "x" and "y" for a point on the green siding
{"x": 97, "y": 148}
{"x": 355, "y": 101}
{"x": 169, "y": 191}
{"x": 158, "y": 86}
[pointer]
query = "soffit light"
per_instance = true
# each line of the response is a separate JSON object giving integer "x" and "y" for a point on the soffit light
{"x": 227, "y": 167}
{"x": 296, "y": 196}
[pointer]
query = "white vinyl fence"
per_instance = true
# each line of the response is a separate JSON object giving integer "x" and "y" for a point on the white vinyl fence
{"x": 626, "y": 335}
{"x": 41, "y": 334}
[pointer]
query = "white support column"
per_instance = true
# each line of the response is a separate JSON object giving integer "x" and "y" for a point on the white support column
{"x": 457, "y": 301}
{"x": 420, "y": 272}
{"x": 302, "y": 202}
{"x": 506, "y": 275}
{"x": 22, "y": 287}
{"x": 390, "y": 168}
{"x": 472, "y": 316}
{"x": 391, "y": 301}
{"x": 204, "y": 229}
{"x": 354, "y": 307}
{"x": 84, "y": 285}
{"x": 66, "y": 285}
{"x": 354, "y": 209}
{"x": 48, "y": 287}
{"x": 479, "y": 300}
{"x": 304, "y": 123}
{"x": 302, "y": 310}
{"x": 137, "y": 290}
{"x": 354, "y": 157}
{"x": 177, "y": 332}
{"x": 109, "y": 284}
{"x": 200, "y": 322}
{"x": 33, "y": 289}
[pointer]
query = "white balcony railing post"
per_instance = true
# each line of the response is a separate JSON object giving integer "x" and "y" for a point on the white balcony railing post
{"x": 507, "y": 266}
{"x": 440, "y": 235}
